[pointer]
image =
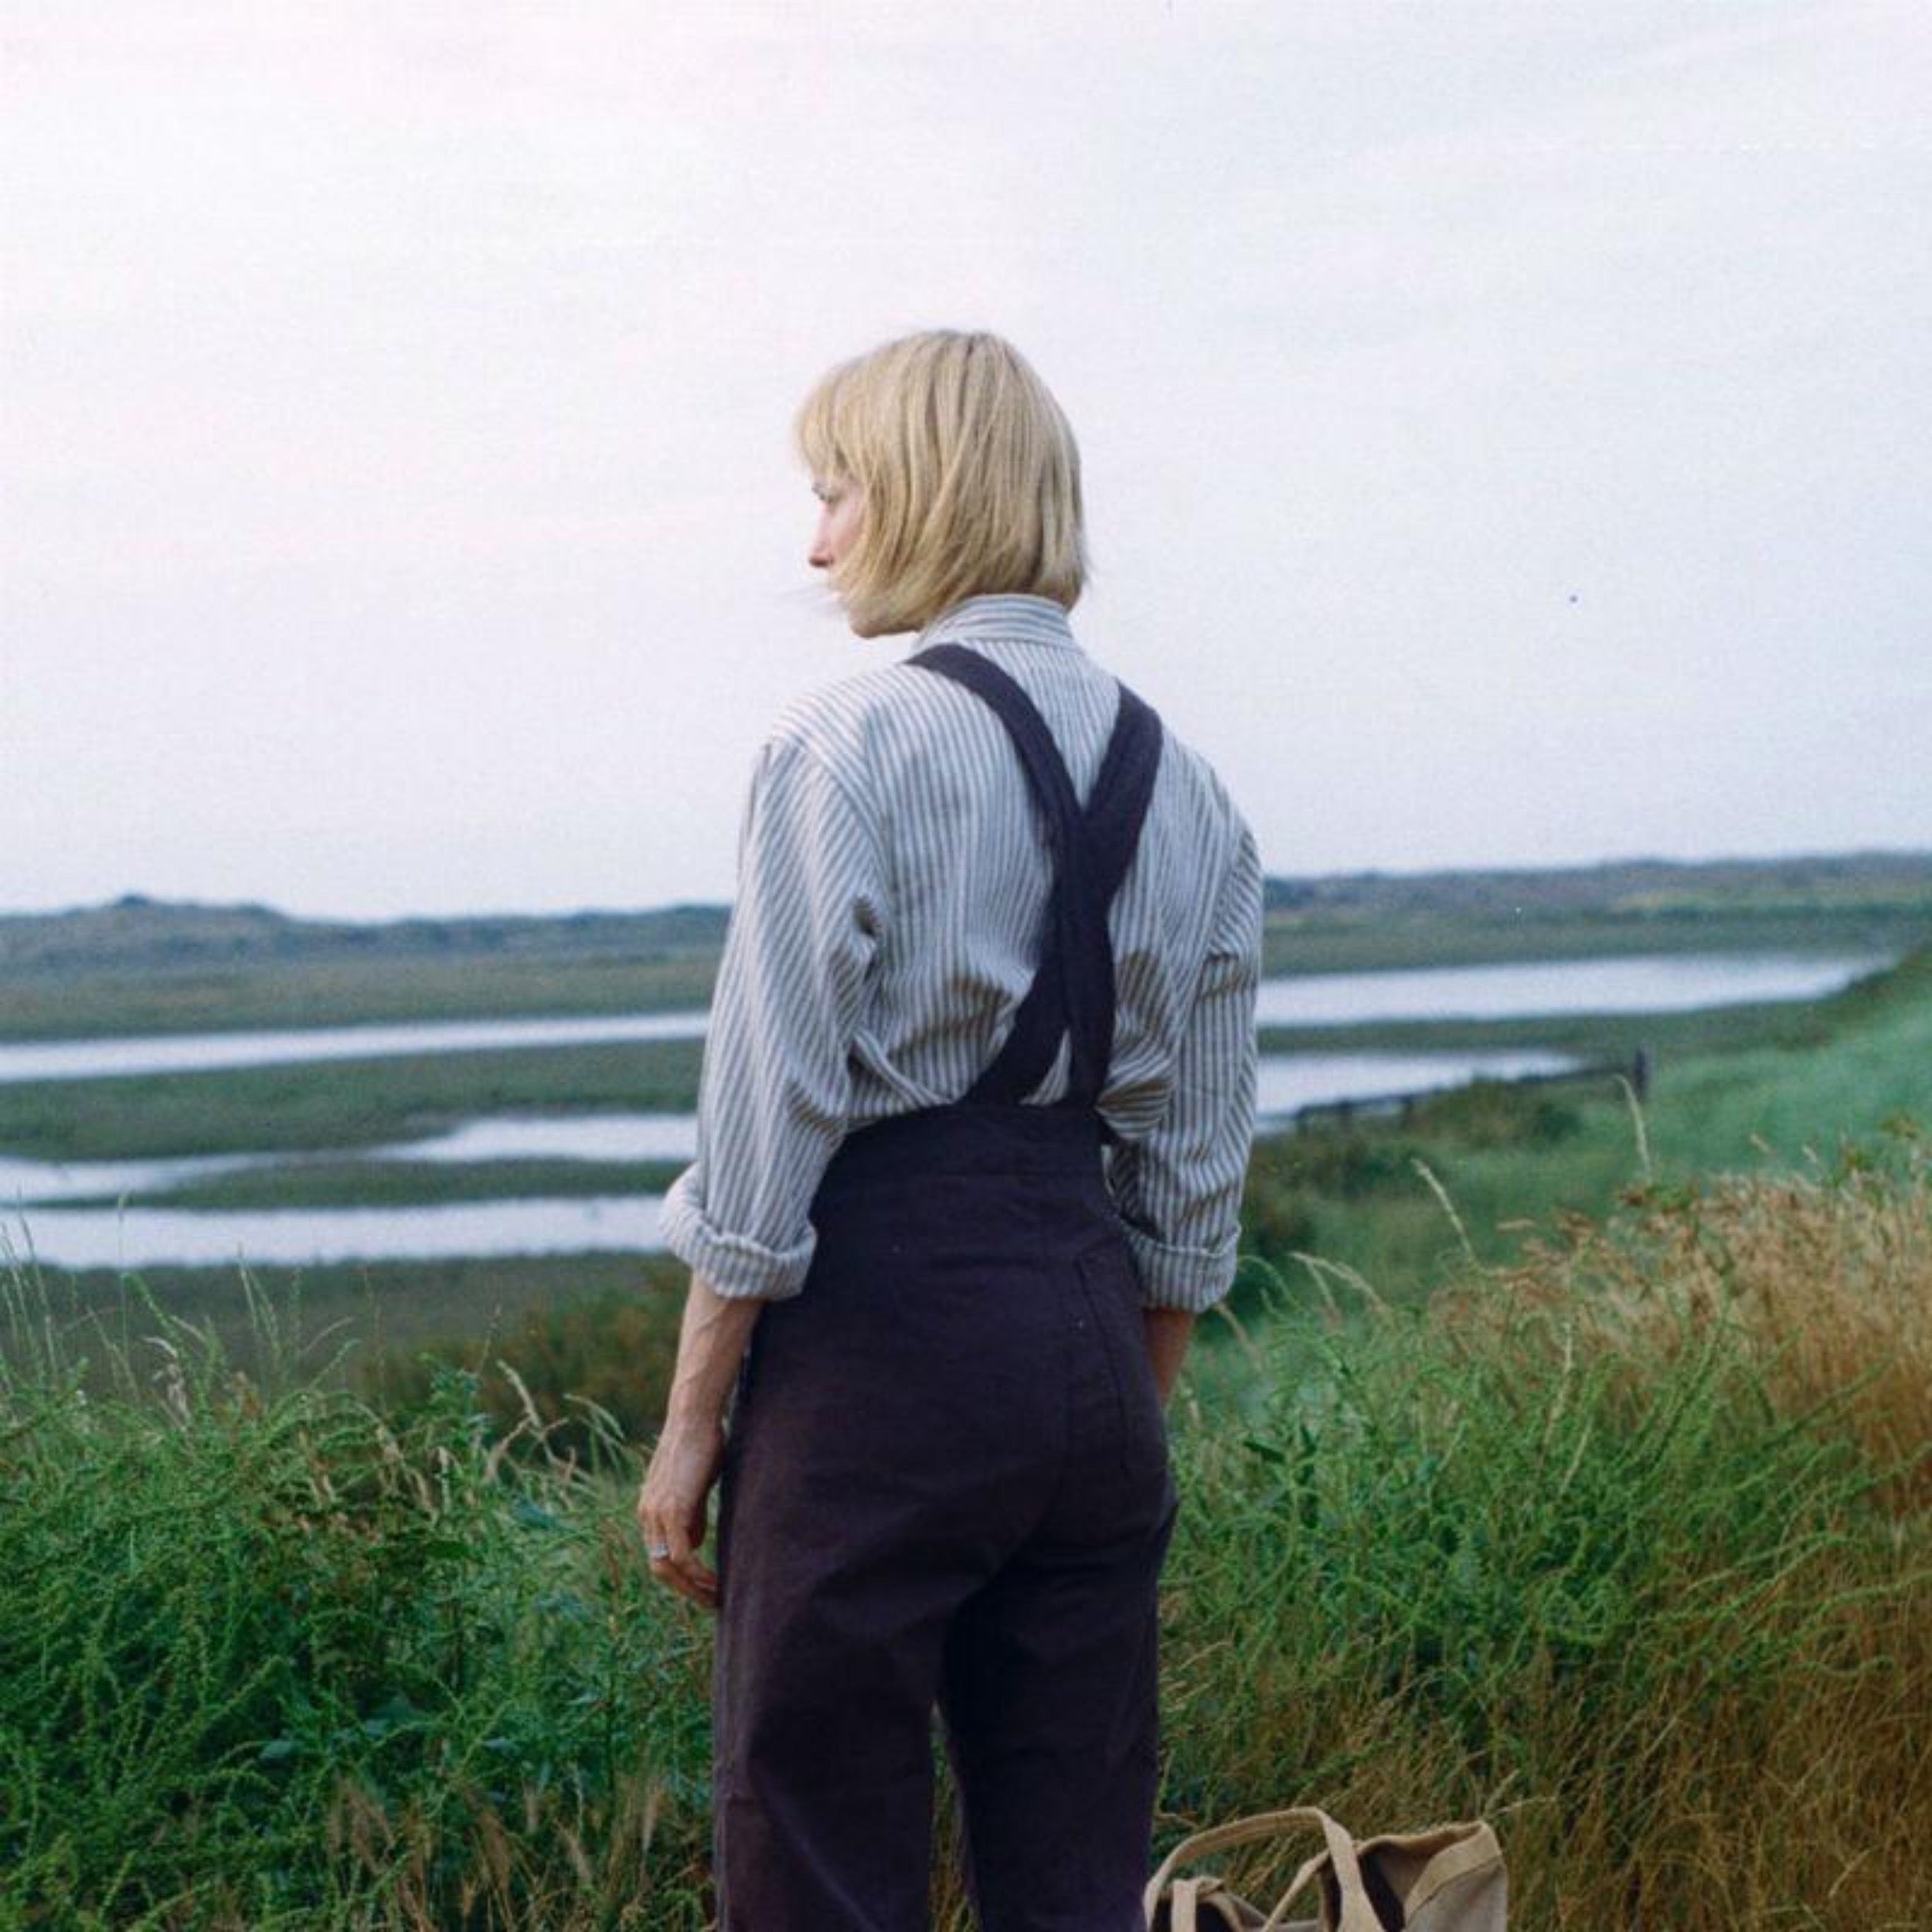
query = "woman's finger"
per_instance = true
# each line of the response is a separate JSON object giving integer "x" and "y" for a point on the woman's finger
{"x": 683, "y": 1570}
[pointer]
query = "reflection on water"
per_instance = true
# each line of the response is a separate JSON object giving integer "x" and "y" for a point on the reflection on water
{"x": 160, "y": 1237}
{"x": 134, "y": 1237}
{"x": 66, "y": 1236}
{"x": 527, "y": 1137}
{"x": 73, "y": 1059}
{"x": 1663, "y": 983}
{"x": 509, "y": 1137}
{"x": 76, "y": 1180}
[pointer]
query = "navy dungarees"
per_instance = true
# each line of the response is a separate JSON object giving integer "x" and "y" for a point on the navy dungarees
{"x": 946, "y": 1480}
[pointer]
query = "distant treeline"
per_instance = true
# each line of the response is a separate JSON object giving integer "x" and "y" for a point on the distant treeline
{"x": 135, "y": 932}
{"x": 1891, "y": 881}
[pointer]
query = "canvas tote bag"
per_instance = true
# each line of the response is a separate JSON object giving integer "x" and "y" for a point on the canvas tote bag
{"x": 1450, "y": 1879}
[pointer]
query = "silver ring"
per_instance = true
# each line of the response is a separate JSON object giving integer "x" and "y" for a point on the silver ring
{"x": 659, "y": 1551}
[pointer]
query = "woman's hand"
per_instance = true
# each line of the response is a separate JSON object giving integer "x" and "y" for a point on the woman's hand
{"x": 675, "y": 1500}
{"x": 674, "y": 1507}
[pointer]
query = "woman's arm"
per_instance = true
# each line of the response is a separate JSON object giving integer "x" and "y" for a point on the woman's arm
{"x": 1179, "y": 1188}
{"x": 773, "y": 1102}
{"x": 1168, "y": 1332}
{"x": 775, "y": 1092}
{"x": 674, "y": 1506}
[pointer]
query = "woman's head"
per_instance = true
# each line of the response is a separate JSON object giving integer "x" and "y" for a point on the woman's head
{"x": 967, "y": 473}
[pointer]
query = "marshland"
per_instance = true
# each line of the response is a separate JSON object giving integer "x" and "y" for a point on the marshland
{"x": 1561, "y": 1455}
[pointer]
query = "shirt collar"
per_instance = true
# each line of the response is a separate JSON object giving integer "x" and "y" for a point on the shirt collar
{"x": 1012, "y": 616}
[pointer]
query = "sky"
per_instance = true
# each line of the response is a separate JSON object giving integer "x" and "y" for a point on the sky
{"x": 1505, "y": 428}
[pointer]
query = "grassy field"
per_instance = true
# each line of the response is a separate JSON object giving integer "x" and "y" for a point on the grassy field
{"x": 1624, "y": 1546}
{"x": 1555, "y": 1461}
{"x": 368, "y": 1323}
{"x": 141, "y": 966}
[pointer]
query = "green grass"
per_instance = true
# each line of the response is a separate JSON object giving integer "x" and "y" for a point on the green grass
{"x": 141, "y": 965}
{"x": 266, "y": 1656}
{"x": 1624, "y": 1547}
{"x": 1517, "y": 1159}
{"x": 350, "y": 1322}
{"x": 214, "y": 999}
{"x": 298, "y": 1106}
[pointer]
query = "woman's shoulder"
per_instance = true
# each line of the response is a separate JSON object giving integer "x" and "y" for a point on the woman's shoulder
{"x": 853, "y": 723}
{"x": 870, "y": 726}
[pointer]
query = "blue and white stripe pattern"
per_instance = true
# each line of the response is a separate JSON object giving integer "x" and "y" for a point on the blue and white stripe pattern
{"x": 892, "y": 878}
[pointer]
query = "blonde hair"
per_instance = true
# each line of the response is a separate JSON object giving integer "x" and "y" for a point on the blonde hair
{"x": 970, "y": 475}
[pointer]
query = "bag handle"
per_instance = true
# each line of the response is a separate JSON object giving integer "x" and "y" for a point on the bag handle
{"x": 1184, "y": 1905}
{"x": 1358, "y": 1915}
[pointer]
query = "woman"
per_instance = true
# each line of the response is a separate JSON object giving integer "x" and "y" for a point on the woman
{"x": 973, "y": 1120}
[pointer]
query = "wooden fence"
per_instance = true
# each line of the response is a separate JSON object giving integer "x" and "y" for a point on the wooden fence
{"x": 1636, "y": 1070}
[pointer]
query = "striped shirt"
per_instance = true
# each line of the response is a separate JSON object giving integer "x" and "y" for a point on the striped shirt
{"x": 892, "y": 878}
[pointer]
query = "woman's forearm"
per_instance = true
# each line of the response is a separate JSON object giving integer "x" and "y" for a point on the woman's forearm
{"x": 711, "y": 1341}
{"x": 1168, "y": 1332}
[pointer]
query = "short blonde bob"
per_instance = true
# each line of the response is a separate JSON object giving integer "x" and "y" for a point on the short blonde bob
{"x": 970, "y": 476}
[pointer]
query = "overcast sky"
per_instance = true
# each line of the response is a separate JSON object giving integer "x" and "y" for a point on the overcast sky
{"x": 1507, "y": 429}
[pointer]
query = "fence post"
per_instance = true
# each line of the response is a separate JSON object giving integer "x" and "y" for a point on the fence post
{"x": 1640, "y": 1074}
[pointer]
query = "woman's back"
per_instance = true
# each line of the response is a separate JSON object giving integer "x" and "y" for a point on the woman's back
{"x": 966, "y": 866}
{"x": 894, "y": 875}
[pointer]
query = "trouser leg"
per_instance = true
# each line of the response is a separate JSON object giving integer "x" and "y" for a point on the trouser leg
{"x": 1051, "y": 1684}
{"x": 822, "y": 1788}
{"x": 1050, "y": 1695}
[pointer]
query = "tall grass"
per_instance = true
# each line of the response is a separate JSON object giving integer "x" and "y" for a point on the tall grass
{"x": 267, "y": 1659}
{"x": 1624, "y": 1545}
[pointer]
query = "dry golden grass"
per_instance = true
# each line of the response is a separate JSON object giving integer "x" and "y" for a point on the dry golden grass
{"x": 1625, "y": 1546}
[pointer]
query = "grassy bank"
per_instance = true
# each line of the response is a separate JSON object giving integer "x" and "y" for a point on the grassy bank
{"x": 1370, "y": 1197}
{"x": 300, "y": 1106}
{"x": 1623, "y": 1546}
{"x": 365, "y": 1324}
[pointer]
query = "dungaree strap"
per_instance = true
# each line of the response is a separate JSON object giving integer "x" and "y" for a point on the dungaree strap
{"x": 1073, "y": 991}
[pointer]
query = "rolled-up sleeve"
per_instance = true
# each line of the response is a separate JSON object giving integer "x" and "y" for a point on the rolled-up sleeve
{"x": 1179, "y": 1190}
{"x": 773, "y": 1096}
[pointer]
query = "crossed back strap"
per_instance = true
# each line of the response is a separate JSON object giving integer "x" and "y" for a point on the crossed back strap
{"x": 1072, "y": 992}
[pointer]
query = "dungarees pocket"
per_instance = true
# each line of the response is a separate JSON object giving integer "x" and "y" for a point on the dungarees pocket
{"x": 1112, "y": 1291}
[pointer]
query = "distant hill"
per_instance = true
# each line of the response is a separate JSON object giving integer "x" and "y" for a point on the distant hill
{"x": 139, "y": 933}
{"x": 1886, "y": 881}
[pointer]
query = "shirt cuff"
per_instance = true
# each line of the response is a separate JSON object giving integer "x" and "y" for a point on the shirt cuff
{"x": 733, "y": 1265}
{"x": 1192, "y": 1279}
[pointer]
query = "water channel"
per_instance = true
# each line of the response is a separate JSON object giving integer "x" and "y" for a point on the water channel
{"x": 131, "y": 1237}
